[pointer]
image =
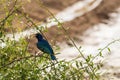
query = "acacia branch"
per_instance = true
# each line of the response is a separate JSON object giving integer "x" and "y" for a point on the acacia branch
{"x": 12, "y": 10}
{"x": 19, "y": 59}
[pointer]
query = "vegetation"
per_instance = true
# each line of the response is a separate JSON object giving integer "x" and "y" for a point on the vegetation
{"x": 16, "y": 63}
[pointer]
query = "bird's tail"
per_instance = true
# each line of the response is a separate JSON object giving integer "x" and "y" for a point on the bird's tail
{"x": 53, "y": 57}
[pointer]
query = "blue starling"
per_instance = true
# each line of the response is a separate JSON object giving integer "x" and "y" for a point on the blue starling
{"x": 44, "y": 46}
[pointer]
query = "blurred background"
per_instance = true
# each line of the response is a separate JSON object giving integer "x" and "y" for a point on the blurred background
{"x": 92, "y": 24}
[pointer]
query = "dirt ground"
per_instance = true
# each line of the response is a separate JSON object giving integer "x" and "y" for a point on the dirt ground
{"x": 38, "y": 13}
{"x": 80, "y": 24}
{"x": 75, "y": 27}
{"x": 35, "y": 11}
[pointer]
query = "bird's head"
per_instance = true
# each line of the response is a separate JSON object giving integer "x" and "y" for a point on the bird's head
{"x": 39, "y": 36}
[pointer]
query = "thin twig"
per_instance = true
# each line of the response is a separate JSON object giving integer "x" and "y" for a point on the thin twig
{"x": 12, "y": 10}
{"x": 101, "y": 50}
{"x": 27, "y": 17}
{"x": 19, "y": 59}
{"x": 66, "y": 32}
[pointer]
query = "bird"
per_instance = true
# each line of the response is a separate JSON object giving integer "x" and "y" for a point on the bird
{"x": 44, "y": 46}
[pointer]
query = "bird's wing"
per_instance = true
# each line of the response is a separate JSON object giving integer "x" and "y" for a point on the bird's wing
{"x": 45, "y": 47}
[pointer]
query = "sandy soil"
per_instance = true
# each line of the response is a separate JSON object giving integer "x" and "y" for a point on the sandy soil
{"x": 34, "y": 10}
{"x": 78, "y": 25}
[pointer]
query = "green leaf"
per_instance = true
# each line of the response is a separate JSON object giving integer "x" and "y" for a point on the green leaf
{"x": 109, "y": 49}
{"x": 81, "y": 64}
{"x": 101, "y": 54}
{"x": 98, "y": 66}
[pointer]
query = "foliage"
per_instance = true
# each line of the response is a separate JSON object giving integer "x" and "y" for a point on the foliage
{"x": 17, "y": 64}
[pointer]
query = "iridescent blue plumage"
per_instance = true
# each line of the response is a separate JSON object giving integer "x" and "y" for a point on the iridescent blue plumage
{"x": 44, "y": 46}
